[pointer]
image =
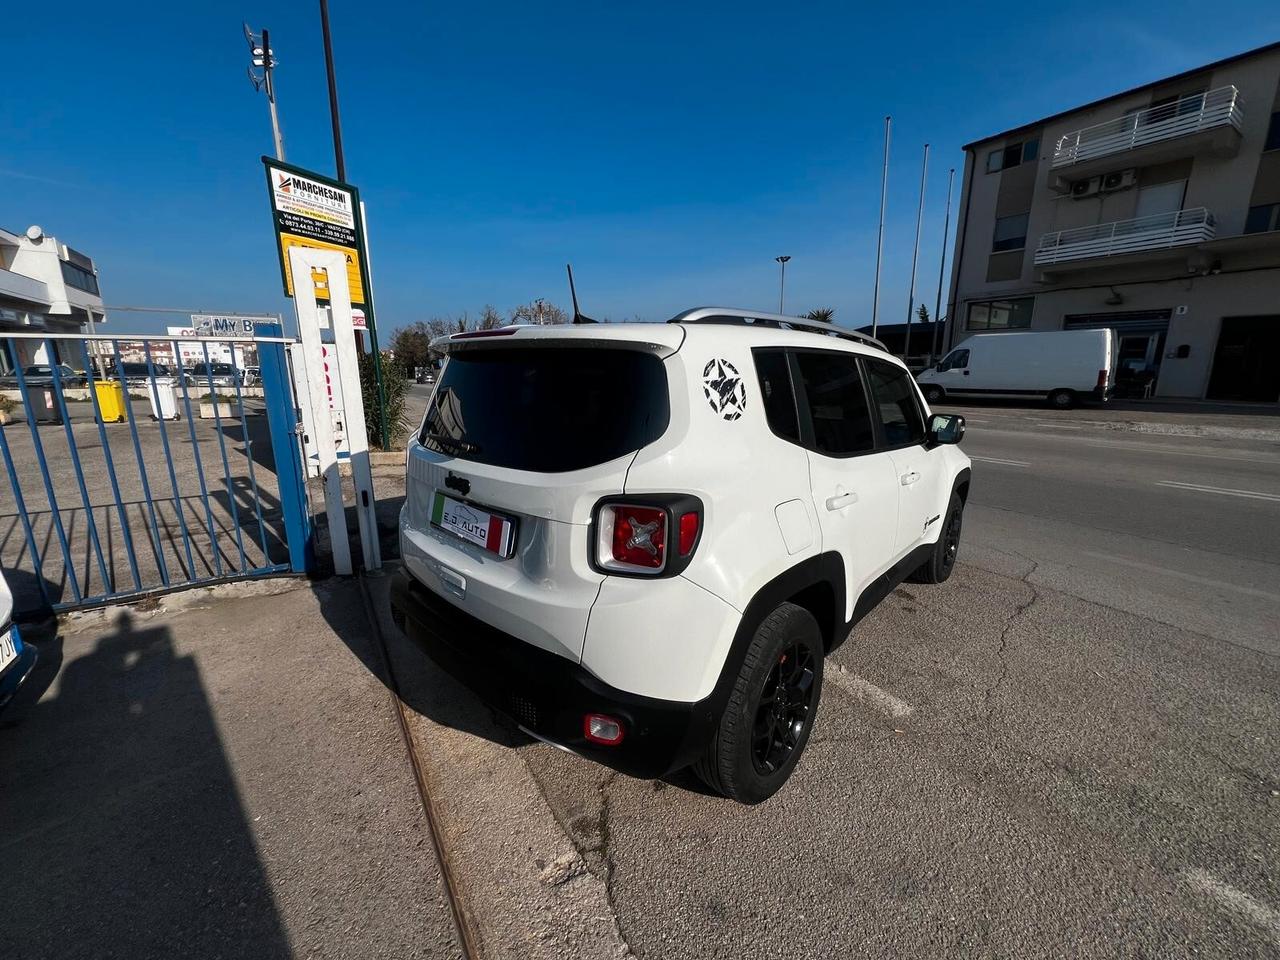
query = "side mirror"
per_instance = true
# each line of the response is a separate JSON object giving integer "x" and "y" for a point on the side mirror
{"x": 946, "y": 428}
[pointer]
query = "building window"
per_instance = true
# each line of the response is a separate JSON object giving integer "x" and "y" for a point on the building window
{"x": 1024, "y": 151}
{"x": 1011, "y": 233}
{"x": 1264, "y": 217}
{"x": 77, "y": 276}
{"x": 1001, "y": 314}
{"x": 1273, "y": 133}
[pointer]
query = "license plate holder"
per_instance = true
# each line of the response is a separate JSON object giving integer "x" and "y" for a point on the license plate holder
{"x": 490, "y": 531}
{"x": 8, "y": 649}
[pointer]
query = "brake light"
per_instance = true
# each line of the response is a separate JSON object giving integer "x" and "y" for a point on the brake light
{"x": 638, "y": 538}
{"x": 476, "y": 334}
{"x": 654, "y": 535}
{"x": 1102, "y": 378}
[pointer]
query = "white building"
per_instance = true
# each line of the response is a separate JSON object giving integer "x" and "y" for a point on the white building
{"x": 45, "y": 285}
{"x": 191, "y": 352}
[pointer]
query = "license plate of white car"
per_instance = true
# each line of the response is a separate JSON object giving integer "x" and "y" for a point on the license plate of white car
{"x": 490, "y": 531}
{"x": 8, "y": 650}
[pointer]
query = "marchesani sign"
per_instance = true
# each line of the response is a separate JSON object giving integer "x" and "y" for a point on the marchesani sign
{"x": 313, "y": 211}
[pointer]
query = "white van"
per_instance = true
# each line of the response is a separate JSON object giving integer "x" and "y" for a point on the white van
{"x": 1061, "y": 366}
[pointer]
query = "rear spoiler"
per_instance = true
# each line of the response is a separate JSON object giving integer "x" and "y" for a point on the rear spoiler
{"x": 658, "y": 339}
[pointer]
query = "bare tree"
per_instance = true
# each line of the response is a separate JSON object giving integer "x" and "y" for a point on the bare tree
{"x": 539, "y": 312}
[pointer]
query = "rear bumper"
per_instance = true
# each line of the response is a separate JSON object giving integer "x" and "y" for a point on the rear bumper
{"x": 548, "y": 694}
{"x": 16, "y": 672}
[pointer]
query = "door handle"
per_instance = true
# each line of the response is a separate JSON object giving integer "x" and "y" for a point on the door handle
{"x": 909, "y": 478}
{"x": 841, "y": 500}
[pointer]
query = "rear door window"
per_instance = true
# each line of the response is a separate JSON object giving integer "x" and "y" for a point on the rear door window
{"x": 547, "y": 409}
{"x": 837, "y": 403}
{"x": 775, "y": 388}
{"x": 896, "y": 403}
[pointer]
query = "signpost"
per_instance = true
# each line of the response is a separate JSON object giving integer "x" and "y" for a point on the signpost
{"x": 314, "y": 212}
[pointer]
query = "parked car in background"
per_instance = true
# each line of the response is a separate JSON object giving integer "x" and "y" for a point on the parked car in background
{"x": 16, "y": 657}
{"x": 41, "y": 375}
{"x": 1060, "y": 366}
{"x": 252, "y": 377}
{"x": 223, "y": 374}
{"x": 138, "y": 374}
{"x": 425, "y": 375}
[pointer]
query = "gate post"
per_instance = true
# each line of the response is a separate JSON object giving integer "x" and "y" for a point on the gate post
{"x": 282, "y": 419}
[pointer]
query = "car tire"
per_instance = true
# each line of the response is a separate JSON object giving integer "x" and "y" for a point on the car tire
{"x": 771, "y": 709}
{"x": 933, "y": 393}
{"x": 1062, "y": 399}
{"x": 942, "y": 562}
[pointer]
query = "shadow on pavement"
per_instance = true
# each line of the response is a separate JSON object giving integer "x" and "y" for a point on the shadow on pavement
{"x": 121, "y": 826}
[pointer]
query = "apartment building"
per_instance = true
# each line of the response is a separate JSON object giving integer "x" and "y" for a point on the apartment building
{"x": 44, "y": 286}
{"x": 1155, "y": 212}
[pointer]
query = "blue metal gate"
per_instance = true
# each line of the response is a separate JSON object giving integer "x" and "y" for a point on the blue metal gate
{"x": 135, "y": 466}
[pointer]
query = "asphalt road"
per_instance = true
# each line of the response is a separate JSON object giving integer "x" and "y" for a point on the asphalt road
{"x": 1069, "y": 749}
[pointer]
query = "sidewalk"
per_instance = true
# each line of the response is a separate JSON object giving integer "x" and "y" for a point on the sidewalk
{"x": 221, "y": 774}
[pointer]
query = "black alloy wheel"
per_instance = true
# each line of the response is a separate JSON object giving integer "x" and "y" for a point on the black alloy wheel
{"x": 784, "y": 709}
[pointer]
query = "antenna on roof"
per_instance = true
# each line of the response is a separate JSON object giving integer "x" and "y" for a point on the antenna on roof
{"x": 573, "y": 292}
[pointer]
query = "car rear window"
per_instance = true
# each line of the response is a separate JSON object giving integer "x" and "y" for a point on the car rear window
{"x": 547, "y": 409}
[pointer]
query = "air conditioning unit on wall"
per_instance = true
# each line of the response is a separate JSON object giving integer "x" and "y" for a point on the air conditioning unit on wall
{"x": 1086, "y": 188}
{"x": 1119, "y": 180}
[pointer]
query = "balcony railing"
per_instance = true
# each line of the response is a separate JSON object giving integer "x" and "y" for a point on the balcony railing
{"x": 1178, "y": 118}
{"x": 1157, "y": 232}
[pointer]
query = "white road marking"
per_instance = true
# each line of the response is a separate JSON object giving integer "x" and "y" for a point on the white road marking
{"x": 1059, "y": 426}
{"x": 1236, "y": 901}
{"x": 1224, "y": 491}
{"x": 1166, "y": 572}
{"x": 868, "y": 693}
{"x": 1007, "y": 463}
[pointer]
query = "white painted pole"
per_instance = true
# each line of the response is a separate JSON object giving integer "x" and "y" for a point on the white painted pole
{"x": 884, "y": 194}
{"x": 942, "y": 263}
{"x": 915, "y": 256}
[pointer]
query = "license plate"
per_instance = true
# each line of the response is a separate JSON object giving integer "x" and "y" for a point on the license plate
{"x": 491, "y": 531}
{"x": 8, "y": 650}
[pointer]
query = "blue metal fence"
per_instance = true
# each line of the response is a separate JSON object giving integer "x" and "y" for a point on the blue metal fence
{"x": 108, "y": 498}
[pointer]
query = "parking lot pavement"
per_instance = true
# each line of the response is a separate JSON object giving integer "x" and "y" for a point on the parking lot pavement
{"x": 998, "y": 770}
{"x": 219, "y": 776}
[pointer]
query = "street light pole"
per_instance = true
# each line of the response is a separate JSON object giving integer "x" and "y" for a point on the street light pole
{"x": 262, "y": 57}
{"x": 333, "y": 92}
{"x": 782, "y": 286}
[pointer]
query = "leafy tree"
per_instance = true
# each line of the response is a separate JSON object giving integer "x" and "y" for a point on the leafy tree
{"x": 822, "y": 314}
{"x": 395, "y": 384}
{"x": 411, "y": 345}
{"x": 923, "y": 314}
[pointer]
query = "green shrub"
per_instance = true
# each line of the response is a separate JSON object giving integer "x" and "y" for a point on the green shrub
{"x": 395, "y": 385}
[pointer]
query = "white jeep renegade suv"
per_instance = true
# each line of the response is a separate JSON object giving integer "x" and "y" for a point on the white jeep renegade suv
{"x": 639, "y": 541}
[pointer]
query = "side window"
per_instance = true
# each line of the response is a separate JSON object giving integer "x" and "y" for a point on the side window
{"x": 776, "y": 394}
{"x": 955, "y": 360}
{"x": 895, "y": 398}
{"x": 837, "y": 403}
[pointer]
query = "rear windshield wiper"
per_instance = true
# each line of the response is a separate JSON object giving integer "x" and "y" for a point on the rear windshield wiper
{"x": 462, "y": 446}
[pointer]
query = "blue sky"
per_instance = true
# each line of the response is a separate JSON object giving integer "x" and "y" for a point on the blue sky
{"x": 669, "y": 150}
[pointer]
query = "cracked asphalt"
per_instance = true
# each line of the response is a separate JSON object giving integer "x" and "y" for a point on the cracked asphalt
{"x": 1087, "y": 765}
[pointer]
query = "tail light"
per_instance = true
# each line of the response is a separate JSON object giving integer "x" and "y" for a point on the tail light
{"x": 646, "y": 536}
{"x": 1102, "y": 379}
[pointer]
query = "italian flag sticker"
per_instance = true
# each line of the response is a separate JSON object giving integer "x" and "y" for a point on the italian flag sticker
{"x": 491, "y": 531}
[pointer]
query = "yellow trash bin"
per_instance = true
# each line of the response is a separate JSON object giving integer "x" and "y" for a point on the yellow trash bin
{"x": 111, "y": 400}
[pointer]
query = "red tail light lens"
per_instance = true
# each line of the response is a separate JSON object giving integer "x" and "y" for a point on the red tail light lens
{"x": 654, "y": 537}
{"x": 689, "y": 523}
{"x": 638, "y": 538}
{"x": 1102, "y": 378}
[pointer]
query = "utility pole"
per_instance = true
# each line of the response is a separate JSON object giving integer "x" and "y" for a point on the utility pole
{"x": 333, "y": 92}
{"x": 264, "y": 59}
{"x": 942, "y": 262}
{"x": 884, "y": 195}
{"x": 782, "y": 286}
{"x": 915, "y": 256}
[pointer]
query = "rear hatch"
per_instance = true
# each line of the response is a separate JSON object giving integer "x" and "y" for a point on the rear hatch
{"x": 525, "y": 433}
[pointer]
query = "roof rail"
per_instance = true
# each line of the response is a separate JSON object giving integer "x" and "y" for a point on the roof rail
{"x": 730, "y": 315}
